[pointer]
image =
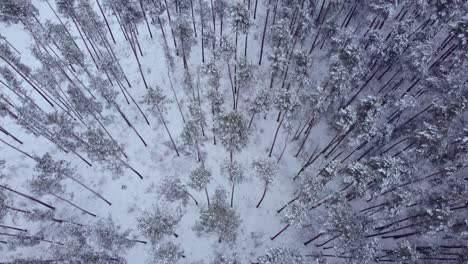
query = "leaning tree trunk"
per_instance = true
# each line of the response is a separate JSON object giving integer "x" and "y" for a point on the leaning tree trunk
{"x": 107, "y": 23}
{"x": 281, "y": 231}
{"x": 72, "y": 204}
{"x": 27, "y": 197}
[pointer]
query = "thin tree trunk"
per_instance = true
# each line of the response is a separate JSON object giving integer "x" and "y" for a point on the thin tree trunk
{"x": 13, "y": 228}
{"x": 264, "y": 33}
{"x": 250, "y": 122}
{"x": 87, "y": 188}
{"x": 169, "y": 133}
{"x": 312, "y": 239}
{"x": 202, "y": 29}
{"x": 255, "y": 9}
{"x": 329, "y": 240}
{"x": 276, "y": 135}
{"x": 146, "y": 19}
{"x": 281, "y": 231}
{"x": 232, "y": 194}
{"x": 207, "y": 197}
{"x": 107, "y": 23}
{"x": 170, "y": 25}
{"x": 175, "y": 97}
{"x": 193, "y": 19}
{"x": 72, "y": 204}
{"x": 27, "y": 197}
{"x": 38, "y": 90}
{"x": 263, "y": 196}
{"x": 129, "y": 123}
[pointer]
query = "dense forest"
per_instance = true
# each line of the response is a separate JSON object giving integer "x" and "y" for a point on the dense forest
{"x": 233, "y": 131}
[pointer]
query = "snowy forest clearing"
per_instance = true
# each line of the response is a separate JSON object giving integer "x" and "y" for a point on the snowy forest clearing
{"x": 294, "y": 132}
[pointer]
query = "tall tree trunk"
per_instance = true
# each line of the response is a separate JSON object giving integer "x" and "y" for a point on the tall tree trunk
{"x": 264, "y": 33}
{"x": 202, "y": 31}
{"x": 169, "y": 133}
{"x": 175, "y": 97}
{"x": 129, "y": 123}
{"x": 146, "y": 19}
{"x": 87, "y": 188}
{"x": 27, "y": 197}
{"x": 13, "y": 228}
{"x": 105, "y": 20}
{"x": 276, "y": 134}
{"x": 72, "y": 204}
{"x": 172, "y": 29}
{"x": 255, "y": 9}
{"x": 193, "y": 19}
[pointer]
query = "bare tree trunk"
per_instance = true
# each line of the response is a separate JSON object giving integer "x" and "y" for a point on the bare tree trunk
{"x": 107, "y": 23}
{"x": 264, "y": 33}
{"x": 255, "y": 9}
{"x": 250, "y": 122}
{"x": 276, "y": 135}
{"x": 38, "y": 90}
{"x": 14, "y": 228}
{"x": 202, "y": 29}
{"x": 146, "y": 19}
{"x": 175, "y": 97}
{"x": 87, "y": 188}
{"x": 281, "y": 231}
{"x": 4, "y": 131}
{"x": 170, "y": 25}
{"x": 27, "y": 196}
{"x": 169, "y": 133}
{"x": 72, "y": 204}
{"x": 232, "y": 194}
{"x": 263, "y": 196}
{"x": 193, "y": 19}
{"x": 207, "y": 197}
{"x": 129, "y": 123}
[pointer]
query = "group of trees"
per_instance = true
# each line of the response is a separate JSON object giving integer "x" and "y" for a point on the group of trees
{"x": 370, "y": 97}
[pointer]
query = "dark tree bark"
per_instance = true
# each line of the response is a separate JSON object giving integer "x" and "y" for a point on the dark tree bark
{"x": 281, "y": 231}
{"x": 27, "y": 197}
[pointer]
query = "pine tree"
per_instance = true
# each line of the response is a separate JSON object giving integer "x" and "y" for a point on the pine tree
{"x": 159, "y": 222}
{"x": 219, "y": 219}
{"x": 200, "y": 177}
{"x": 266, "y": 169}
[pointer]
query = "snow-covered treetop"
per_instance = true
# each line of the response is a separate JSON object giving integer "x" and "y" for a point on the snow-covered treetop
{"x": 159, "y": 222}
{"x": 172, "y": 189}
{"x": 232, "y": 130}
{"x": 266, "y": 169}
{"x": 281, "y": 255}
{"x": 233, "y": 170}
{"x": 166, "y": 253}
{"x": 219, "y": 218}
{"x": 240, "y": 18}
{"x": 199, "y": 178}
{"x": 156, "y": 99}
